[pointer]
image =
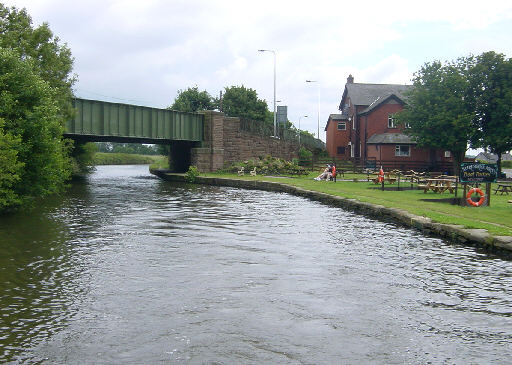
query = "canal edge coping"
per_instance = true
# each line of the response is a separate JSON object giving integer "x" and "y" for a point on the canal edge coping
{"x": 467, "y": 236}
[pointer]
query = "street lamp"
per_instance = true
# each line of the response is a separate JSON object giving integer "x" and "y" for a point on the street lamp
{"x": 275, "y": 124}
{"x": 318, "y": 107}
{"x": 302, "y": 116}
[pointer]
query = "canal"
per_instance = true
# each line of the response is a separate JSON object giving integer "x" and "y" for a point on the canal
{"x": 128, "y": 269}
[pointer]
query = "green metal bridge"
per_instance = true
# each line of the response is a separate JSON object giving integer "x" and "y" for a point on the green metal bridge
{"x": 97, "y": 121}
{"x": 101, "y": 121}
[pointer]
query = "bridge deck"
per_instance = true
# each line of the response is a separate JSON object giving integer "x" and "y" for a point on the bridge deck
{"x": 104, "y": 121}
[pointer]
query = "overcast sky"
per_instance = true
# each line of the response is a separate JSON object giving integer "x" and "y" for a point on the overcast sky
{"x": 143, "y": 51}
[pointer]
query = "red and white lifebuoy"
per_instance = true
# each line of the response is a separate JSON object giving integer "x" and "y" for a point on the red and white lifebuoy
{"x": 479, "y": 192}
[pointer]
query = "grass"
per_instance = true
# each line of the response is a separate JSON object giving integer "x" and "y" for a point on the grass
{"x": 101, "y": 158}
{"x": 496, "y": 219}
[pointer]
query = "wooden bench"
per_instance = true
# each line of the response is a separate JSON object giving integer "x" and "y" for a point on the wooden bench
{"x": 387, "y": 178}
{"x": 503, "y": 188}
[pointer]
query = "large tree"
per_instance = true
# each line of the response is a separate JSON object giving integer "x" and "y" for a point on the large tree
{"x": 33, "y": 155}
{"x": 35, "y": 102}
{"x": 242, "y": 102}
{"x": 438, "y": 112}
{"x": 51, "y": 60}
{"x": 192, "y": 100}
{"x": 491, "y": 93}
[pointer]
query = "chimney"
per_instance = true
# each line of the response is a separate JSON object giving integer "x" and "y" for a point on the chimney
{"x": 350, "y": 79}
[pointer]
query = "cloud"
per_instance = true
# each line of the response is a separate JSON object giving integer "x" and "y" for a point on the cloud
{"x": 147, "y": 50}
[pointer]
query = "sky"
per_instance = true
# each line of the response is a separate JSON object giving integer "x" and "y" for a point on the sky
{"x": 143, "y": 51}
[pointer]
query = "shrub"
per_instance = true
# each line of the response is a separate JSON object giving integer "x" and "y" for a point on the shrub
{"x": 268, "y": 166}
{"x": 192, "y": 174}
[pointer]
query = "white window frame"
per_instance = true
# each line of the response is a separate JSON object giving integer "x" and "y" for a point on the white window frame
{"x": 344, "y": 124}
{"x": 447, "y": 154}
{"x": 400, "y": 153}
{"x": 391, "y": 121}
{"x": 351, "y": 149}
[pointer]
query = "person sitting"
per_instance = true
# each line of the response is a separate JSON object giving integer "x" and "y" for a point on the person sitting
{"x": 325, "y": 175}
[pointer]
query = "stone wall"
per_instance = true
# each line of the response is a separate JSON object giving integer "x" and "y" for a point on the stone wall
{"x": 224, "y": 143}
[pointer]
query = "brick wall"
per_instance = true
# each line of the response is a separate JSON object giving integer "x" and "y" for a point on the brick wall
{"x": 224, "y": 143}
{"x": 338, "y": 138}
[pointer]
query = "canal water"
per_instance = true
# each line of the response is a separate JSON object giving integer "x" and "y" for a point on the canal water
{"x": 128, "y": 269}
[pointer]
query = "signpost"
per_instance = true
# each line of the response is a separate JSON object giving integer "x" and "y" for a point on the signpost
{"x": 476, "y": 172}
{"x": 282, "y": 114}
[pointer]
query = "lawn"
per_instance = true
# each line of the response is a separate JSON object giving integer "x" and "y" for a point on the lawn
{"x": 497, "y": 218}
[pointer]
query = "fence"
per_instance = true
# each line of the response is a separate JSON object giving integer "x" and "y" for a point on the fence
{"x": 290, "y": 135}
{"x": 358, "y": 165}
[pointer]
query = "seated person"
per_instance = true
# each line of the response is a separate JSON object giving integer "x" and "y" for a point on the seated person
{"x": 325, "y": 175}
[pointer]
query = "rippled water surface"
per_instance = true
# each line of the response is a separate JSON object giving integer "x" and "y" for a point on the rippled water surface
{"x": 128, "y": 269}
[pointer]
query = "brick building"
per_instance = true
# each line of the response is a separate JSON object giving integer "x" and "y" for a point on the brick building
{"x": 365, "y": 130}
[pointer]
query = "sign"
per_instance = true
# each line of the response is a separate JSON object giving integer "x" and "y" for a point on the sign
{"x": 282, "y": 114}
{"x": 478, "y": 172}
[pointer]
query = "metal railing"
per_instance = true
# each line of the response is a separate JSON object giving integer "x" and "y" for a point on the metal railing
{"x": 359, "y": 165}
{"x": 290, "y": 135}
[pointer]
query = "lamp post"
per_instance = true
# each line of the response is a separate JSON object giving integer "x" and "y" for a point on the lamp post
{"x": 275, "y": 124}
{"x": 302, "y": 116}
{"x": 318, "y": 107}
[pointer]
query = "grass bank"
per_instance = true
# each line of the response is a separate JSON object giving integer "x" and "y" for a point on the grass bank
{"x": 496, "y": 219}
{"x": 101, "y": 158}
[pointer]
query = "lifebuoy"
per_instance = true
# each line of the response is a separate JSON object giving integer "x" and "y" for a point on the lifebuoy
{"x": 381, "y": 175}
{"x": 479, "y": 192}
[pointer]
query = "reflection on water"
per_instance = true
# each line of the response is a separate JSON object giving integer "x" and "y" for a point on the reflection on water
{"x": 126, "y": 268}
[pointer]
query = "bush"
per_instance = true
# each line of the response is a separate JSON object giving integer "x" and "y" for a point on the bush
{"x": 305, "y": 156}
{"x": 192, "y": 174}
{"x": 269, "y": 166}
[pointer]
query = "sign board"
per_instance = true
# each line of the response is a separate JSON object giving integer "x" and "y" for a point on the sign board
{"x": 282, "y": 114}
{"x": 478, "y": 172}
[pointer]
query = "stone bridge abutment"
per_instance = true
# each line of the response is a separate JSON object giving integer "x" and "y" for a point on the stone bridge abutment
{"x": 225, "y": 143}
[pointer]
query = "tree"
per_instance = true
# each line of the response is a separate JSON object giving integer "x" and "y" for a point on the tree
{"x": 10, "y": 167}
{"x": 491, "y": 93}
{"x": 438, "y": 111}
{"x": 51, "y": 60}
{"x": 242, "y": 102}
{"x": 192, "y": 100}
{"x": 31, "y": 147}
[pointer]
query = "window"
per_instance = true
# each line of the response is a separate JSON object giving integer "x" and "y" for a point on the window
{"x": 391, "y": 121}
{"x": 342, "y": 126}
{"x": 340, "y": 150}
{"x": 351, "y": 149}
{"x": 447, "y": 154}
{"x": 402, "y": 150}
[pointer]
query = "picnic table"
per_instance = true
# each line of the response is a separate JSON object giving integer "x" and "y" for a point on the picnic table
{"x": 387, "y": 178}
{"x": 503, "y": 188}
{"x": 438, "y": 185}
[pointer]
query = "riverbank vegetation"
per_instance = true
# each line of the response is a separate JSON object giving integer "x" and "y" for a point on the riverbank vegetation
{"x": 35, "y": 102}
{"x": 268, "y": 165}
{"x": 496, "y": 219}
{"x": 101, "y": 158}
